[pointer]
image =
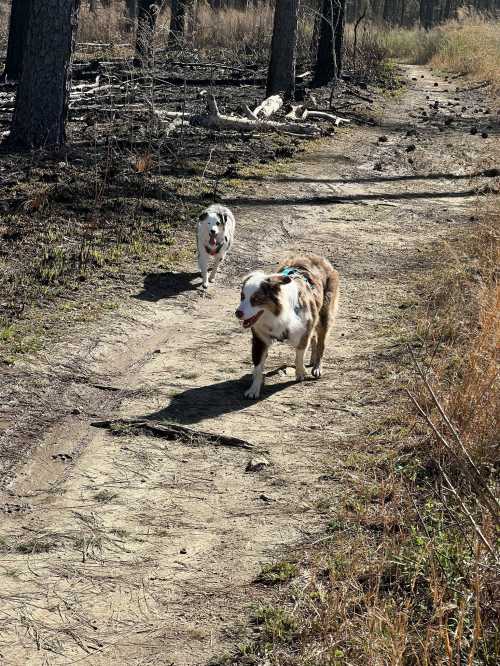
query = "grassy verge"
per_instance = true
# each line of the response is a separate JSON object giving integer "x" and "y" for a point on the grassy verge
{"x": 406, "y": 571}
{"x": 470, "y": 46}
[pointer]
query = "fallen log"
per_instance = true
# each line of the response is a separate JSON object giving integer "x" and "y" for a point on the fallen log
{"x": 301, "y": 113}
{"x": 215, "y": 120}
{"x": 327, "y": 116}
{"x": 249, "y": 113}
{"x": 171, "y": 431}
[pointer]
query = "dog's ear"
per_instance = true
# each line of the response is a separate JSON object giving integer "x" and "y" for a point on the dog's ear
{"x": 277, "y": 280}
{"x": 203, "y": 216}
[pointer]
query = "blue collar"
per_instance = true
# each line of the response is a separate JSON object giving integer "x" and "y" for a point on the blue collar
{"x": 293, "y": 273}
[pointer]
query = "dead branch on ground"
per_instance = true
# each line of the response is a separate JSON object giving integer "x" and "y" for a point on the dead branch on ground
{"x": 172, "y": 431}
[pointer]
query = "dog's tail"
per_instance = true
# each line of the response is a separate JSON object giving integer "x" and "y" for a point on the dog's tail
{"x": 331, "y": 293}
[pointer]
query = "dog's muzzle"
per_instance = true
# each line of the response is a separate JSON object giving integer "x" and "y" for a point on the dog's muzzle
{"x": 213, "y": 246}
{"x": 251, "y": 321}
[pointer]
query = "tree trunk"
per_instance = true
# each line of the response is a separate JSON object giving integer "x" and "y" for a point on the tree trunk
{"x": 130, "y": 14}
{"x": 177, "y": 22}
{"x": 147, "y": 12}
{"x": 131, "y": 9}
{"x": 281, "y": 73}
{"x": 339, "y": 36}
{"x": 388, "y": 11}
{"x": 18, "y": 28}
{"x": 403, "y": 13}
{"x": 329, "y": 54}
{"x": 427, "y": 14}
{"x": 449, "y": 10}
{"x": 42, "y": 97}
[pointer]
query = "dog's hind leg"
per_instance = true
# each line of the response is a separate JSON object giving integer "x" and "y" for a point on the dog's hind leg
{"x": 300, "y": 371}
{"x": 203, "y": 266}
{"x": 313, "y": 345}
{"x": 325, "y": 323}
{"x": 259, "y": 355}
{"x": 318, "y": 350}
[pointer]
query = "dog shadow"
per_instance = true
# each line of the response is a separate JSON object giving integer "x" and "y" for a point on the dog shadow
{"x": 214, "y": 400}
{"x": 166, "y": 285}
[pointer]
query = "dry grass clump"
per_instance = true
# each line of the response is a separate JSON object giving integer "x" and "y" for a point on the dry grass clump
{"x": 365, "y": 54}
{"x": 248, "y": 32}
{"x": 105, "y": 25}
{"x": 469, "y": 46}
{"x": 462, "y": 321}
{"x": 412, "y": 44}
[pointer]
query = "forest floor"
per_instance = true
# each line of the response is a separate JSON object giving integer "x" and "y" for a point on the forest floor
{"x": 119, "y": 546}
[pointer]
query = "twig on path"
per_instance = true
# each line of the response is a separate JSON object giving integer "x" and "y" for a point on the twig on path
{"x": 172, "y": 431}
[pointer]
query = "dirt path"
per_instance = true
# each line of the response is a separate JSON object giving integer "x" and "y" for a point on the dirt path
{"x": 133, "y": 549}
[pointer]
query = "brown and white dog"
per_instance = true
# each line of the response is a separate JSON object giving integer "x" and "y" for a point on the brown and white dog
{"x": 297, "y": 304}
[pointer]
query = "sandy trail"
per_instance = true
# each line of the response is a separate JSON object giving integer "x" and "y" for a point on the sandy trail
{"x": 126, "y": 548}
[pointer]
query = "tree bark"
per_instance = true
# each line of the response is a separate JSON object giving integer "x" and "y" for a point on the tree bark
{"x": 330, "y": 45}
{"x": 281, "y": 73}
{"x": 427, "y": 14}
{"x": 339, "y": 36}
{"x": 18, "y": 28}
{"x": 449, "y": 10}
{"x": 131, "y": 9}
{"x": 177, "y": 22}
{"x": 402, "y": 13}
{"x": 42, "y": 97}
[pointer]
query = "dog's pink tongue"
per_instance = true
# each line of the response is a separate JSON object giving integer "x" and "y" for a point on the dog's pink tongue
{"x": 211, "y": 241}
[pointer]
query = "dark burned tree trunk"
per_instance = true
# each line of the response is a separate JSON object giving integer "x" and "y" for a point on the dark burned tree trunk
{"x": 449, "y": 10}
{"x": 130, "y": 15}
{"x": 131, "y": 9}
{"x": 18, "y": 29}
{"x": 390, "y": 13}
{"x": 339, "y": 37}
{"x": 427, "y": 14}
{"x": 330, "y": 45}
{"x": 402, "y": 13}
{"x": 42, "y": 96}
{"x": 147, "y": 12}
{"x": 281, "y": 73}
{"x": 177, "y": 22}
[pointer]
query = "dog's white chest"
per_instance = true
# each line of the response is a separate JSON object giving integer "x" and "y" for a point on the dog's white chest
{"x": 290, "y": 329}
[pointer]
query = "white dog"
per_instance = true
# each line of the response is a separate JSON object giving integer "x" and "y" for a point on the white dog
{"x": 215, "y": 236}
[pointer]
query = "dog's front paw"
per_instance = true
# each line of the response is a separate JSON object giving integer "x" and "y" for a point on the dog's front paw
{"x": 205, "y": 285}
{"x": 300, "y": 375}
{"x": 316, "y": 371}
{"x": 253, "y": 392}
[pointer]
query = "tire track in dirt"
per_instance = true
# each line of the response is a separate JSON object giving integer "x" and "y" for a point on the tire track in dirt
{"x": 143, "y": 550}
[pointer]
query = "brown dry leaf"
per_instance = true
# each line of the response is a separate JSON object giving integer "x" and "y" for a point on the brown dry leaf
{"x": 37, "y": 201}
{"x": 143, "y": 163}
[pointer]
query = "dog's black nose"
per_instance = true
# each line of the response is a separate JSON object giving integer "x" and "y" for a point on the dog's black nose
{"x": 239, "y": 313}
